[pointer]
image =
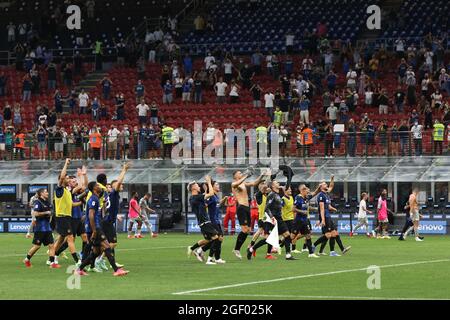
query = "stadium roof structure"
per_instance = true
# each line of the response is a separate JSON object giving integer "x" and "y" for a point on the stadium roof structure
{"x": 405, "y": 169}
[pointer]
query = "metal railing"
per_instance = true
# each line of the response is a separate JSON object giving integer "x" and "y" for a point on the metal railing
{"x": 360, "y": 144}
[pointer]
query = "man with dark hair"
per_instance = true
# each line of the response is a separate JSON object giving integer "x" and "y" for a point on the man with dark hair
{"x": 144, "y": 211}
{"x": 98, "y": 243}
{"x": 239, "y": 189}
{"x": 198, "y": 205}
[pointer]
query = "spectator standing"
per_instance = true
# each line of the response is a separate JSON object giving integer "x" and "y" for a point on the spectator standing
{"x": 83, "y": 101}
{"x": 95, "y": 109}
{"x": 331, "y": 113}
{"x": 269, "y": 103}
{"x": 139, "y": 91}
{"x": 329, "y": 139}
{"x": 220, "y": 90}
{"x": 120, "y": 106}
{"x": 234, "y": 92}
{"x": 113, "y": 136}
{"x": 167, "y": 92}
{"x": 106, "y": 87}
{"x": 51, "y": 76}
{"x": 198, "y": 86}
{"x": 57, "y": 97}
{"x": 395, "y": 139}
{"x": 351, "y": 138}
{"x": 17, "y": 115}
{"x": 417, "y": 131}
{"x": 256, "y": 91}
{"x": 95, "y": 141}
{"x": 411, "y": 83}
{"x": 438, "y": 137}
{"x": 41, "y": 138}
{"x": 187, "y": 65}
{"x": 228, "y": 70}
{"x": 384, "y": 102}
{"x": 351, "y": 79}
{"x": 27, "y": 86}
{"x": 11, "y": 29}
{"x": 305, "y": 104}
{"x": 142, "y": 109}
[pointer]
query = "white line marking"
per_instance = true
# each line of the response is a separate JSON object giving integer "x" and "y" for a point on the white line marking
{"x": 307, "y": 297}
{"x": 305, "y": 276}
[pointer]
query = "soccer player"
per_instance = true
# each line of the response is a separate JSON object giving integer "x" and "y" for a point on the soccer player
{"x": 414, "y": 214}
{"x": 239, "y": 189}
{"x": 215, "y": 216}
{"x": 302, "y": 225}
{"x": 33, "y": 218}
{"x": 383, "y": 221}
{"x": 264, "y": 227}
{"x": 93, "y": 226}
{"x": 112, "y": 204}
{"x": 329, "y": 229}
{"x": 134, "y": 216}
{"x": 63, "y": 212}
{"x": 362, "y": 215}
{"x": 144, "y": 210}
{"x": 274, "y": 211}
{"x": 210, "y": 234}
{"x": 42, "y": 230}
{"x": 408, "y": 222}
{"x": 253, "y": 214}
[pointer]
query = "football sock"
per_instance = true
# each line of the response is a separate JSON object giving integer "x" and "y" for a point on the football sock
{"x": 260, "y": 244}
{"x": 339, "y": 242}
{"x": 75, "y": 257}
{"x": 309, "y": 245}
{"x": 240, "y": 240}
{"x": 111, "y": 259}
{"x": 287, "y": 244}
{"x": 323, "y": 245}
{"x": 207, "y": 246}
{"x": 195, "y": 246}
{"x": 269, "y": 248}
{"x": 332, "y": 243}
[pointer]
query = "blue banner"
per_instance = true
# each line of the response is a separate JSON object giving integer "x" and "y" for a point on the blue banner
{"x": 33, "y": 189}
{"x": 18, "y": 227}
{"x": 433, "y": 227}
{"x": 7, "y": 189}
{"x": 2, "y": 227}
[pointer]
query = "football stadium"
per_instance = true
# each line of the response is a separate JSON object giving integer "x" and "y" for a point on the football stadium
{"x": 224, "y": 150}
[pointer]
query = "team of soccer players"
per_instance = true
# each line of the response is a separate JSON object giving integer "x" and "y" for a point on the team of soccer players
{"x": 96, "y": 227}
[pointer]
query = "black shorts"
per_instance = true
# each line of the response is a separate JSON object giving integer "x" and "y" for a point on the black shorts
{"x": 243, "y": 214}
{"x": 77, "y": 227}
{"x": 109, "y": 229}
{"x": 43, "y": 237}
{"x": 329, "y": 226}
{"x": 282, "y": 226}
{"x": 289, "y": 224}
{"x": 99, "y": 238}
{"x": 218, "y": 227}
{"x": 208, "y": 231}
{"x": 64, "y": 226}
{"x": 302, "y": 227}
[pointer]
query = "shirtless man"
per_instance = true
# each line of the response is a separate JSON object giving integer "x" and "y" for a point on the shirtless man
{"x": 239, "y": 189}
{"x": 414, "y": 214}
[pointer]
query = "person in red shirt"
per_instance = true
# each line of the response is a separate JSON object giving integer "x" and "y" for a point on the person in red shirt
{"x": 230, "y": 215}
{"x": 254, "y": 214}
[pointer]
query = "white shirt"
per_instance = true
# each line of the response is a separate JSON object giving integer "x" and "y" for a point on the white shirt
{"x": 269, "y": 61}
{"x": 307, "y": 64}
{"x": 332, "y": 112}
{"x": 362, "y": 209}
{"x": 142, "y": 109}
{"x": 351, "y": 76}
{"x": 113, "y": 134}
{"x": 290, "y": 39}
{"x": 149, "y": 37}
{"x": 437, "y": 98}
{"x": 368, "y": 97}
{"x": 234, "y": 91}
{"x": 228, "y": 66}
{"x": 429, "y": 57}
{"x": 328, "y": 58}
{"x": 210, "y": 133}
{"x": 399, "y": 45}
{"x": 220, "y": 87}
{"x": 268, "y": 99}
{"x": 83, "y": 99}
{"x": 417, "y": 131}
{"x": 208, "y": 61}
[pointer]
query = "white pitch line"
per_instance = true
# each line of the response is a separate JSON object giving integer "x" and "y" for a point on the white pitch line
{"x": 305, "y": 276}
{"x": 306, "y": 297}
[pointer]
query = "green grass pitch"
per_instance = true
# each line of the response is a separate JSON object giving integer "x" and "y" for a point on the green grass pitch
{"x": 159, "y": 268}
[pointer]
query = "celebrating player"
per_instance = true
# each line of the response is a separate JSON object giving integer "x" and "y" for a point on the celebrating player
{"x": 239, "y": 188}
{"x": 210, "y": 234}
{"x": 93, "y": 226}
{"x": 42, "y": 230}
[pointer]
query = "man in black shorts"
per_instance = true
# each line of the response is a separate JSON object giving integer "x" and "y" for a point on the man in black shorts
{"x": 210, "y": 234}
{"x": 273, "y": 210}
{"x": 239, "y": 189}
{"x": 302, "y": 225}
{"x": 93, "y": 225}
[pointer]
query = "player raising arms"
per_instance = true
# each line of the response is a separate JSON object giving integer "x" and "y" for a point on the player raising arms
{"x": 93, "y": 225}
{"x": 239, "y": 189}
{"x": 42, "y": 230}
{"x": 63, "y": 212}
{"x": 198, "y": 205}
{"x": 302, "y": 225}
{"x": 215, "y": 216}
{"x": 329, "y": 229}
